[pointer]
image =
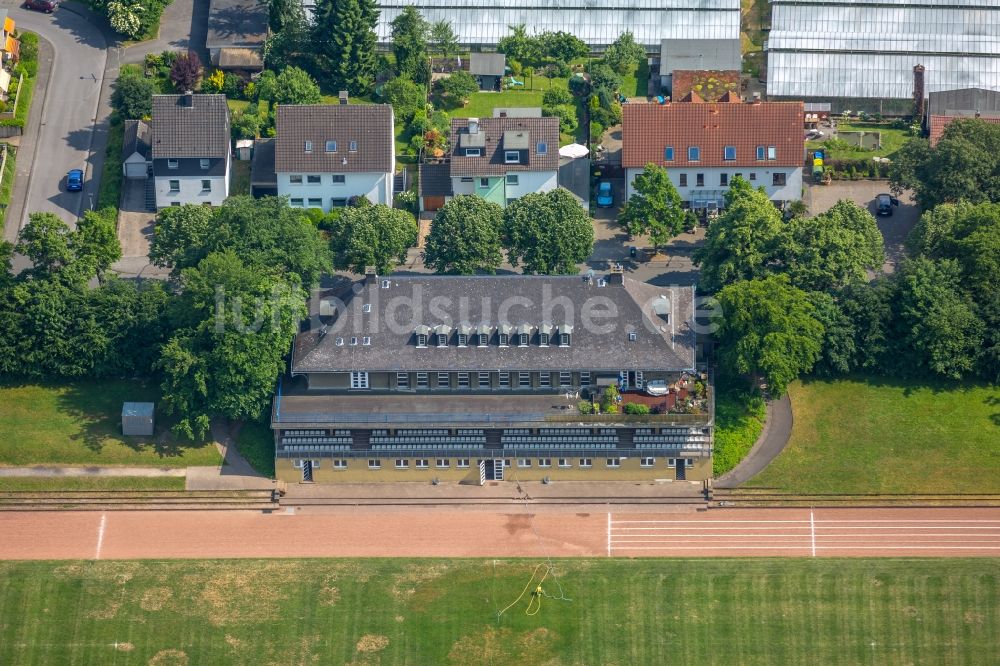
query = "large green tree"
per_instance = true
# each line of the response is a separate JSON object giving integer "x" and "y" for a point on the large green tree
{"x": 519, "y": 45}
{"x": 133, "y": 95}
{"x": 290, "y": 86}
{"x": 654, "y": 207}
{"x": 409, "y": 44}
{"x": 376, "y": 236}
{"x": 344, "y": 43}
{"x": 234, "y": 324}
{"x": 444, "y": 39}
{"x": 550, "y": 233}
{"x": 457, "y": 87}
{"x": 46, "y": 241}
{"x": 832, "y": 249}
{"x": 624, "y": 53}
{"x": 465, "y": 237}
{"x": 562, "y": 46}
{"x": 743, "y": 241}
{"x": 768, "y": 330}
{"x": 405, "y": 96}
{"x": 96, "y": 240}
{"x": 965, "y": 164}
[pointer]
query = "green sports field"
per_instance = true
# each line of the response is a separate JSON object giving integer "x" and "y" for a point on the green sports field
{"x": 760, "y": 611}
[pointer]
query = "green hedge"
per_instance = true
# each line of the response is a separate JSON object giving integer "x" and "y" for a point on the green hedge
{"x": 110, "y": 192}
{"x": 29, "y": 67}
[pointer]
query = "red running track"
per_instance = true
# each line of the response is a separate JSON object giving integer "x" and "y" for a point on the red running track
{"x": 536, "y": 531}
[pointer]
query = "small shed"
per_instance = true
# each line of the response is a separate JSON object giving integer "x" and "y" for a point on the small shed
{"x": 488, "y": 68}
{"x": 135, "y": 149}
{"x": 244, "y": 149}
{"x": 137, "y": 418}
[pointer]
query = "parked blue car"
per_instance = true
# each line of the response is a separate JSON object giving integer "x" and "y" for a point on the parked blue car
{"x": 605, "y": 198}
{"x": 74, "y": 180}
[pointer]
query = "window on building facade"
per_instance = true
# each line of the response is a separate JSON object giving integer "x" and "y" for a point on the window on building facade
{"x": 564, "y": 462}
{"x": 296, "y": 202}
{"x": 308, "y": 146}
{"x": 545, "y": 462}
{"x": 359, "y": 380}
{"x": 543, "y": 339}
{"x": 671, "y": 462}
{"x": 682, "y": 180}
{"x": 403, "y": 380}
{"x": 173, "y": 164}
{"x": 315, "y": 203}
{"x": 484, "y": 380}
{"x": 512, "y": 179}
{"x": 484, "y": 339}
{"x": 503, "y": 339}
{"x": 778, "y": 179}
{"x": 463, "y": 380}
{"x": 421, "y": 340}
{"x": 463, "y": 339}
{"x": 295, "y": 179}
{"x": 467, "y": 179}
{"x": 338, "y": 202}
{"x": 668, "y": 154}
{"x": 524, "y": 380}
{"x": 544, "y": 380}
{"x": 339, "y": 179}
{"x": 564, "y": 339}
{"x": 584, "y": 379}
{"x": 694, "y": 153}
{"x": 206, "y": 185}
{"x": 614, "y": 462}
{"x": 586, "y": 462}
{"x": 723, "y": 179}
{"x": 511, "y": 156}
{"x": 353, "y": 147}
{"x": 647, "y": 462}
{"x": 442, "y": 463}
{"x": 339, "y": 463}
{"x": 402, "y": 463}
{"x": 422, "y": 381}
{"x": 374, "y": 463}
{"x": 729, "y": 153}
{"x": 565, "y": 379}
{"x": 442, "y": 340}
{"x": 175, "y": 186}
{"x": 753, "y": 176}
{"x": 313, "y": 179}
{"x": 772, "y": 152}
{"x": 484, "y": 182}
{"x": 699, "y": 180}
{"x": 524, "y": 462}
{"x": 421, "y": 463}
{"x": 522, "y": 339}
{"x": 504, "y": 380}
{"x": 443, "y": 380}
{"x": 462, "y": 463}
{"x": 473, "y": 152}
{"x": 542, "y": 148}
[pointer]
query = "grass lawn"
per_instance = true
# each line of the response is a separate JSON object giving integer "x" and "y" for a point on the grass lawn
{"x": 93, "y": 483}
{"x": 634, "y": 83}
{"x": 239, "y": 178}
{"x": 109, "y": 193}
{"x": 739, "y": 420}
{"x": 892, "y": 139}
{"x": 255, "y": 442}
{"x": 237, "y": 105}
{"x": 481, "y": 104}
{"x": 855, "y": 436}
{"x": 790, "y": 611}
{"x": 7, "y": 184}
{"x": 79, "y": 423}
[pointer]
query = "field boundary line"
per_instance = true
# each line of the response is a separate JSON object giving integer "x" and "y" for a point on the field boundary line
{"x": 812, "y": 532}
{"x": 100, "y": 535}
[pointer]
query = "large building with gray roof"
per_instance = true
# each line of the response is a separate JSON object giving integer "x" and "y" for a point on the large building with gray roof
{"x": 406, "y": 378}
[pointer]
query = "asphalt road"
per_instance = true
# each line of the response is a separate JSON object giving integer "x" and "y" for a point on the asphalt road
{"x": 67, "y": 112}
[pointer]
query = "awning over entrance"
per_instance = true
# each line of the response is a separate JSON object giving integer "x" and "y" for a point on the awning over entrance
{"x": 710, "y": 199}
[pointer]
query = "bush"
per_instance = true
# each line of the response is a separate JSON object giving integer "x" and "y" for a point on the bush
{"x": 585, "y": 407}
{"x": 566, "y": 114}
{"x": 557, "y": 96}
{"x": 636, "y": 408}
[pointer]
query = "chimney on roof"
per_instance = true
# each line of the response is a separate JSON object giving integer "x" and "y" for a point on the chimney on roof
{"x": 918, "y": 91}
{"x": 756, "y": 98}
{"x": 371, "y": 276}
{"x": 473, "y": 125}
{"x": 616, "y": 276}
{"x": 978, "y": 115}
{"x": 342, "y": 97}
{"x": 188, "y": 99}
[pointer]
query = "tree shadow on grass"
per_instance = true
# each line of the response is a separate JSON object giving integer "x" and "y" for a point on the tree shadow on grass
{"x": 994, "y": 401}
{"x": 96, "y": 408}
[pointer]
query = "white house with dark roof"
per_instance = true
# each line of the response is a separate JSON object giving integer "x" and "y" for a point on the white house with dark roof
{"x": 326, "y": 154}
{"x": 189, "y": 146}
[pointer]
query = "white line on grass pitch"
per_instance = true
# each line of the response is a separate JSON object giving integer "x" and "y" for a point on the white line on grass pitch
{"x": 100, "y": 535}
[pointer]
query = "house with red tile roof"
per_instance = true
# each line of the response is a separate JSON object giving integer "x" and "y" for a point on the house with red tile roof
{"x": 704, "y": 145}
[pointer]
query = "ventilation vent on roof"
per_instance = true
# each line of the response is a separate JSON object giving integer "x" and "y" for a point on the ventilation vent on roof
{"x": 366, "y": 341}
{"x": 354, "y": 341}
{"x": 385, "y": 284}
{"x": 633, "y": 336}
{"x": 339, "y": 342}
{"x": 601, "y": 282}
{"x": 367, "y": 307}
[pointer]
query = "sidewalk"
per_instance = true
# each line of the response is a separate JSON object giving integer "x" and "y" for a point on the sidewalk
{"x": 51, "y": 470}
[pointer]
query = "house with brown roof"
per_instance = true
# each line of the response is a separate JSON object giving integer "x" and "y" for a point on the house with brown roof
{"x": 947, "y": 105}
{"x": 190, "y": 149}
{"x": 705, "y": 145}
{"x": 325, "y": 154}
{"x": 502, "y": 159}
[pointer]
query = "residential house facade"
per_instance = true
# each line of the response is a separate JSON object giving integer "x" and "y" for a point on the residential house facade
{"x": 705, "y": 145}
{"x": 190, "y": 149}
{"x": 481, "y": 378}
{"x": 325, "y": 154}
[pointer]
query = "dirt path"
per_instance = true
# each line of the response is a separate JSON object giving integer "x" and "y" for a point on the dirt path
{"x": 508, "y": 532}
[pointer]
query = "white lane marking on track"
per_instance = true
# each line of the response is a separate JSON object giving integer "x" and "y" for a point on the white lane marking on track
{"x": 879, "y": 549}
{"x": 800, "y": 522}
{"x": 100, "y": 535}
{"x": 609, "y": 534}
{"x": 812, "y": 532}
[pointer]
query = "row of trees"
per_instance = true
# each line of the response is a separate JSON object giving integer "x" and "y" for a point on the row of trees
{"x": 546, "y": 233}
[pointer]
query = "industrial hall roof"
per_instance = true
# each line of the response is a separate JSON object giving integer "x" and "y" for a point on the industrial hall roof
{"x": 712, "y": 127}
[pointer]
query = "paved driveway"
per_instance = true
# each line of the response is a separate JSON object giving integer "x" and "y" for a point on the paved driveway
{"x": 67, "y": 113}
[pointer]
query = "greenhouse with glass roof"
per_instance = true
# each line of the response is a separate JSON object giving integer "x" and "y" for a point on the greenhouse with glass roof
{"x": 482, "y": 23}
{"x": 861, "y": 54}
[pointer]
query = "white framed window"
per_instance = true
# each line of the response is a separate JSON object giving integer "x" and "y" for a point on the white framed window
{"x": 339, "y": 463}
{"x": 694, "y": 153}
{"x": 729, "y": 153}
{"x": 173, "y": 164}
{"x": 484, "y": 339}
{"x": 314, "y": 179}
{"x": 295, "y": 178}
{"x": 422, "y": 381}
{"x": 484, "y": 182}
{"x": 338, "y": 202}
{"x": 512, "y": 179}
{"x": 463, "y": 339}
{"x": 564, "y": 462}
{"x": 778, "y": 179}
{"x": 403, "y": 380}
{"x": 688, "y": 462}
{"x": 331, "y": 146}
{"x": 473, "y": 152}
{"x": 512, "y": 156}
{"x": 586, "y": 462}
{"x": 543, "y": 339}
{"x": 613, "y": 462}
{"x": 203, "y": 164}
{"x": 484, "y": 380}
{"x": 671, "y": 462}
{"x": 421, "y": 340}
{"x": 442, "y": 463}
{"x": 338, "y": 179}
{"x": 502, "y": 339}
{"x": 421, "y": 463}
{"x": 506, "y": 462}
{"x": 175, "y": 186}
{"x": 542, "y": 148}
{"x": 504, "y": 380}
{"x": 522, "y": 339}
{"x": 315, "y": 202}
{"x": 307, "y": 146}
{"x": 564, "y": 339}
{"x": 353, "y": 147}
{"x": 462, "y": 463}
{"x": 545, "y": 462}
{"x": 760, "y": 153}
{"x": 524, "y": 462}
{"x": 524, "y": 380}
{"x": 402, "y": 463}
{"x": 647, "y": 462}
{"x": 443, "y": 380}
{"x": 442, "y": 340}
{"x": 772, "y": 152}
{"x": 359, "y": 380}
{"x": 544, "y": 379}
{"x": 753, "y": 175}
{"x": 463, "y": 380}
{"x": 584, "y": 379}
{"x": 206, "y": 185}
{"x": 374, "y": 463}
{"x": 565, "y": 379}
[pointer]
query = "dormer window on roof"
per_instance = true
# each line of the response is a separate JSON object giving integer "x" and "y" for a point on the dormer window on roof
{"x": 729, "y": 153}
{"x": 421, "y": 332}
{"x": 523, "y": 335}
{"x": 308, "y": 147}
{"x": 542, "y": 148}
{"x": 331, "y": 146}
{"x": 353, "y": 147}
{"x": 694, "y": 153}
{"x": 463, "y": 335}
{"x": 503, "y": 334}
{"x": 661, "y": 307}
{"x": 441, "y": 334}
{"x": 544, "y": 334}
{"x": 565, "y": 333}
{"x": 473, "y": 152}
{"x": 483, "y": 334}
{"x": 512, "y": 157}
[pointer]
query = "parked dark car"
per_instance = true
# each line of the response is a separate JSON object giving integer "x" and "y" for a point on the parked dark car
{"x": 47, "y": 6}
{"x": 74, "y": 180}
{"x": 884, "y": 204}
